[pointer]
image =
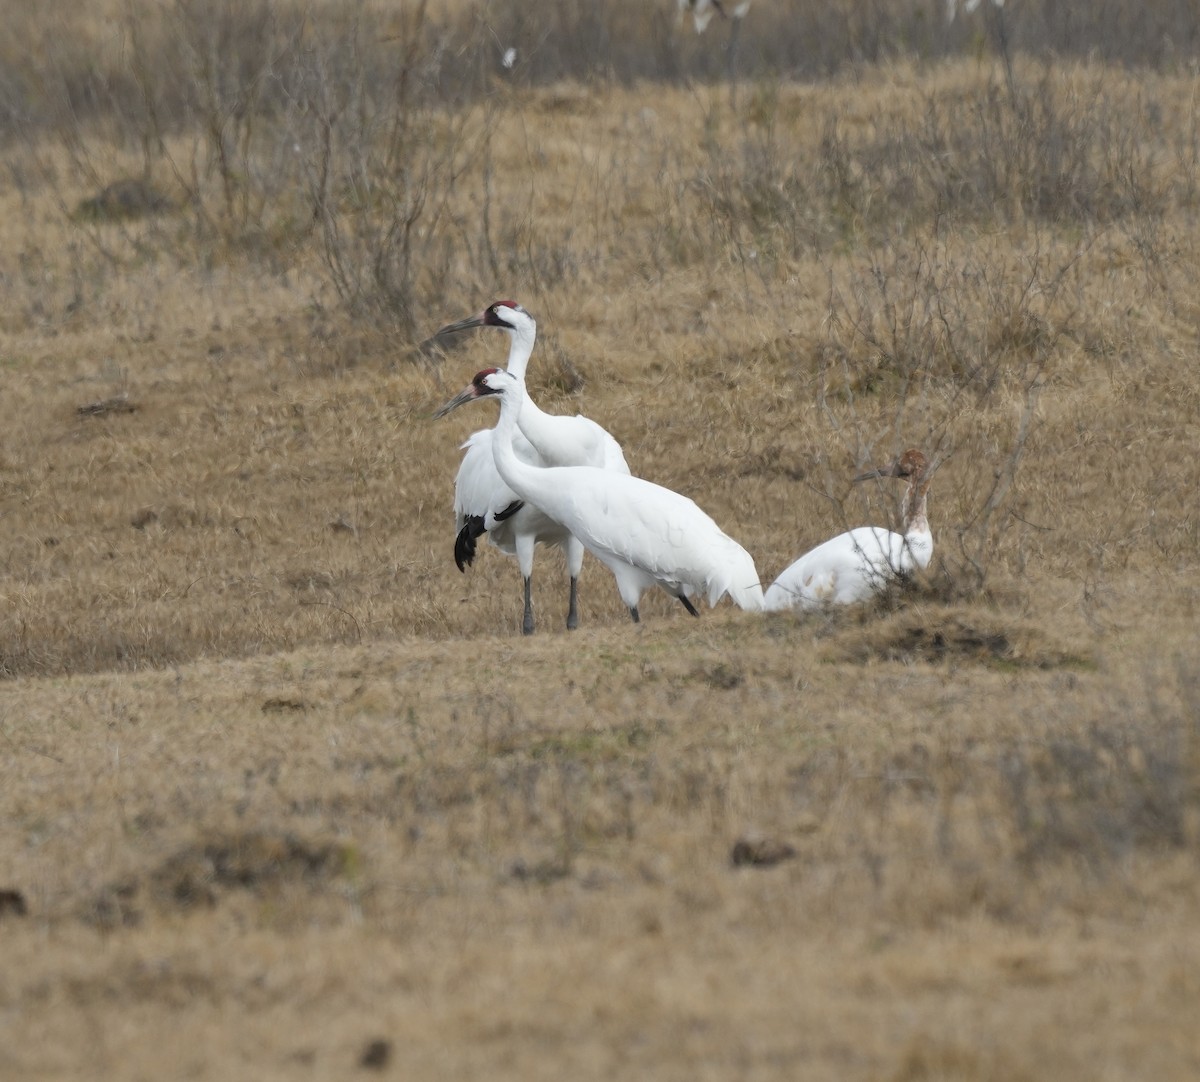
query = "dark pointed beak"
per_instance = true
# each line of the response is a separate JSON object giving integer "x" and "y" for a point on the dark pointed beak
{"x": 467, "y": 394}
{"x": 462, "y": 325}
{"x": 883, "y": 471}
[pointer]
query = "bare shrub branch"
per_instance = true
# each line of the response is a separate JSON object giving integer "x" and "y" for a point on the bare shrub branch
{"x": 929, "y": 331}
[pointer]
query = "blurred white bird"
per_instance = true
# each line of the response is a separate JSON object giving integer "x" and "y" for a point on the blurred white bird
{"x": 647, "y": 535}
{"x": 968, "y": 6}
{"x": 482, "y": 501}
{"x": 855, "y": 565}
{"x": 702, "y": 11}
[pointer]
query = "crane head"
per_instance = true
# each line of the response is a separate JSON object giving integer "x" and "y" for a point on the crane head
{"x": 489, "y": 381}
{"x": 507, "y": 315}
{"x": 912, "y": 465}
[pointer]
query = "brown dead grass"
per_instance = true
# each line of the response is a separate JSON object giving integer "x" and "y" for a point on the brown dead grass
{"x": 281, "y": 783}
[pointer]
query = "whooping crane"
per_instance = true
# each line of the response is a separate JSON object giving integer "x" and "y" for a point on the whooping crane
{"x": 484, "y": 504}
{"x": 859, "y": 563}
{"x": 645, "y": 534}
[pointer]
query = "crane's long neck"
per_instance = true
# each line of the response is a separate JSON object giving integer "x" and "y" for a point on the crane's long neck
{"x": 520, "y": 350}
{"x": 916, "y": 519}
{"x": 532, "y": 421}
{"x": 519, "y": 476}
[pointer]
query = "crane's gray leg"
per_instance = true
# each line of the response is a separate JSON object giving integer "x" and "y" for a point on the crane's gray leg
{"x": 573, "y": 605}
{"x": 688, "y": 605}
{"x": 634, "y": 614}
{"x": 527, "y": 622}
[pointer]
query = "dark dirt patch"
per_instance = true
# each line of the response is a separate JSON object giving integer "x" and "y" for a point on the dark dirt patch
{"x": 759, "y": 851}
{"x": 124, "y": 200}
{"x": 120, "y": 403}
{"x": 284, "y": 706}
{"x": 12, "y": 904}
{"x": 720, "y": 677}
{"x": 376, "y": 1055}
{"x": 201, "y": 873}
{"x": 937, "y": 636}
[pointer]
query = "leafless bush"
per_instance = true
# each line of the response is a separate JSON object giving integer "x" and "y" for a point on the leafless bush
{"x": 187, "y": 90}
{"x": 1048, "y": 153}
{"x": 276, "y": 126}
{"x": 382, "y": 167}
{"x": 926, "y": 332}
{"x": 88, "y": 76}
{"x": 631, "y": 40}
{"x": 936, "y": 324}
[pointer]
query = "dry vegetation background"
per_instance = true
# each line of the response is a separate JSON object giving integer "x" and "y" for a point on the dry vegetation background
{"x": 285, "y": 795}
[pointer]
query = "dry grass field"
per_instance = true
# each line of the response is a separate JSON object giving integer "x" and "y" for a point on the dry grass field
{"x": 285, "y": 795}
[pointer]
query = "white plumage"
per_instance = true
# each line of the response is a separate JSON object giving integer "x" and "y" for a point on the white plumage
{"x": 645, "y": 534}
{"x": 484, "y": 504}
{"x": 856, "y": 565}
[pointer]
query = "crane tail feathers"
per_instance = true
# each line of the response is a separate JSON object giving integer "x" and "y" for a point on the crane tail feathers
{"x": 749, "y": 598}
{"x": 740, "y": 581}
{"x": 464, "y": 543}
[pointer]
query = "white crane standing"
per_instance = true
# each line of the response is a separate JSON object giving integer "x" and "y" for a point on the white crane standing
{"x": 857, "y": 564}
{"x": 645, "y": 534}
{"x": 482, "y": 501}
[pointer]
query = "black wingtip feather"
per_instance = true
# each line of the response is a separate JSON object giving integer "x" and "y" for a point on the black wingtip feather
{"x": 464, "y": 543}
{"x": 509, "y": 511}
